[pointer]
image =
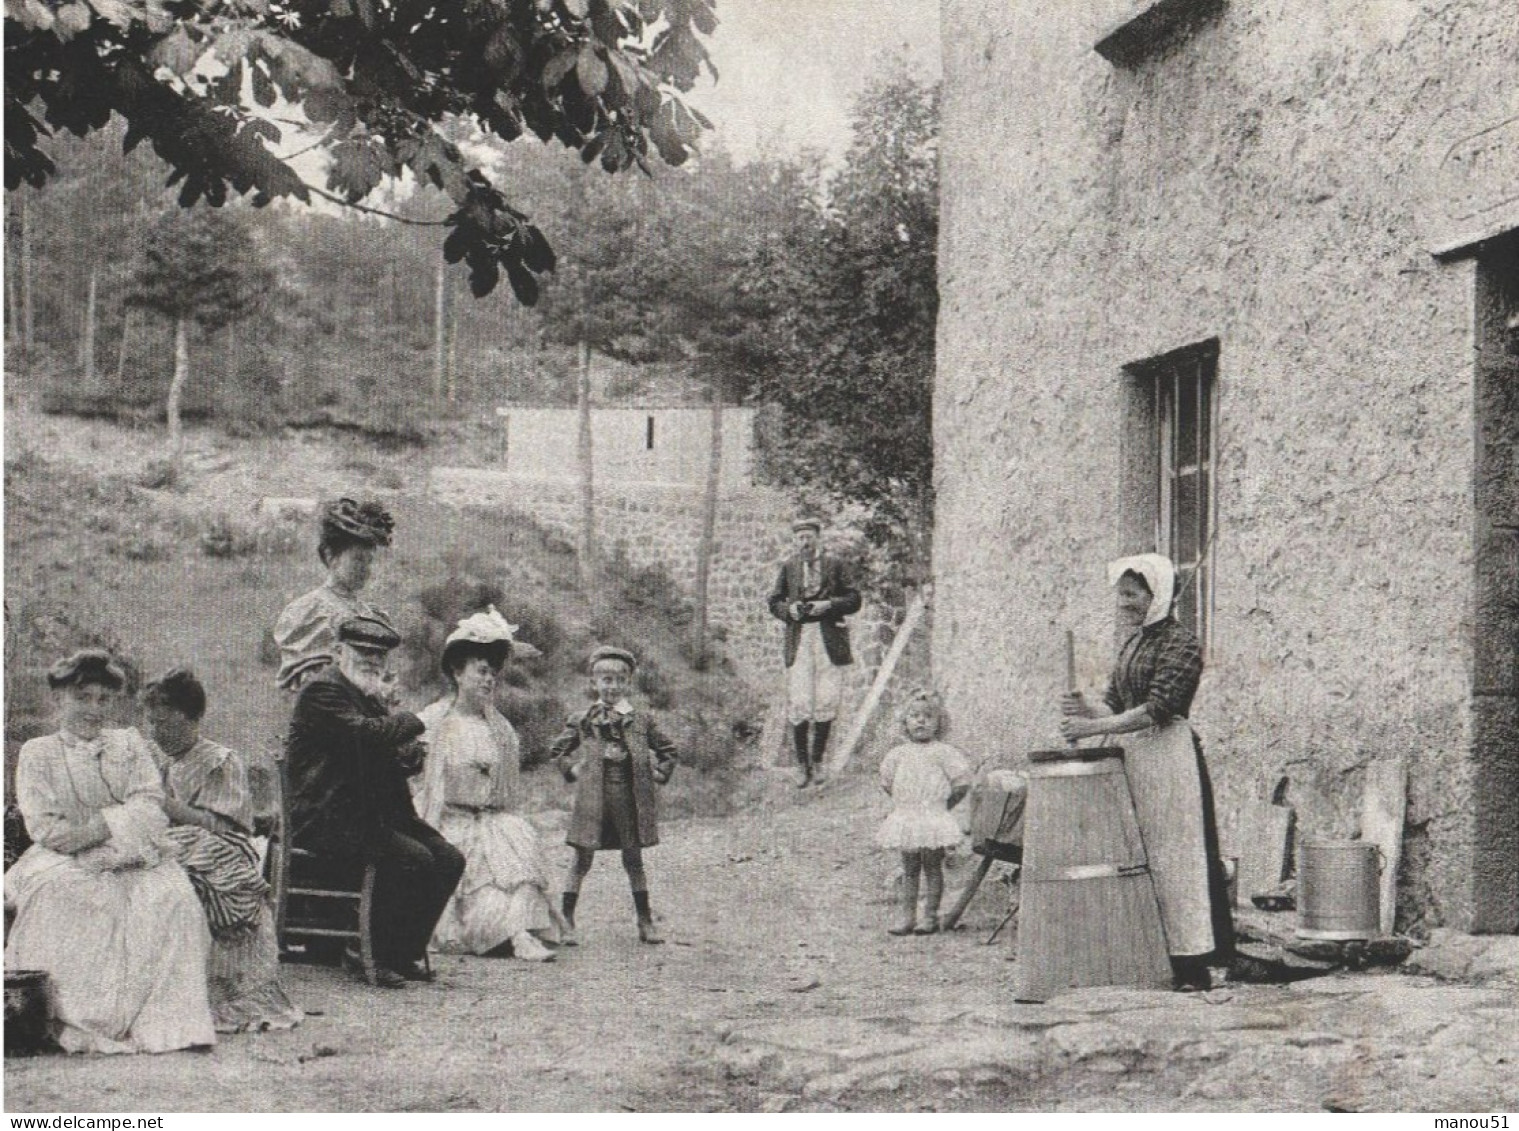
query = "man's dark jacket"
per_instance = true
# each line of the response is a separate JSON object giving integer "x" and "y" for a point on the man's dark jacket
{"x": 835, "y": 588}
{"x": 348, "y": 758}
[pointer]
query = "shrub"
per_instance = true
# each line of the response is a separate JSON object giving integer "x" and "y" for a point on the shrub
{"x": 654, "y": 685}
{"x": 159, "y": 475}
{"x": 651, "y": 588}
{"x": 538, "y": 718}
{"x": 143, "y": 547}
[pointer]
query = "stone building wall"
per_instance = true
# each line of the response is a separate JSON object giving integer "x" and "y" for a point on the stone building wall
{"x": 654, "y": 444}
{"x": 1271, "y": 180}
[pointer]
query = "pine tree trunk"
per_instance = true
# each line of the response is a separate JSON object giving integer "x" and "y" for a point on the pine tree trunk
{"x": 87, "y": 347}
{"x": 705, "y": 546}
{"x": 439, "y": 356}
{"x": 28, "y": 322}
{"x": 586, "y": 460}
{"x": 121, "y": 354}
{"x": 177, "y": 389}
{"x": 453, "y": 355}
{"x": 12, "y": 292}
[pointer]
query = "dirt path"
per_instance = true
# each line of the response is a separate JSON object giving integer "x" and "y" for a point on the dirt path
{"x": 768, "y": 916}
{"x": 779, "y": 990}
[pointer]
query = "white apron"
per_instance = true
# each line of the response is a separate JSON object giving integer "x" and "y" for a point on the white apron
{"x": 1162, "y": 767}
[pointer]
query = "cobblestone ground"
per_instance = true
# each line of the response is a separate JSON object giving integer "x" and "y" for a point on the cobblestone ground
{"x": 779, "y": 990}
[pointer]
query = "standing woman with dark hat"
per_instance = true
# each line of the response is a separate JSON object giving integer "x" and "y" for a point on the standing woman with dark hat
{"x": 100, "y": 902}
{"x": 623, "y": 755}
{"x": 1147, "y": 701}
{"x": 352, "y": 534}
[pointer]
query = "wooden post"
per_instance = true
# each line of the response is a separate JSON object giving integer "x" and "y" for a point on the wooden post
{"x": 1383, "y": 803}
{"x": 883, "y": 676}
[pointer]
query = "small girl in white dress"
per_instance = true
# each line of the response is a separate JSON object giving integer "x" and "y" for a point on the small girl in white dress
{"x": 926, "y": 779}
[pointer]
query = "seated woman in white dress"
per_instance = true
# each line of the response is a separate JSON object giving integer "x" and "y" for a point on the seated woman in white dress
{"x": 467, "y": 791}
{"x": 101, "y": 904}
{"x": 210, "y": 810}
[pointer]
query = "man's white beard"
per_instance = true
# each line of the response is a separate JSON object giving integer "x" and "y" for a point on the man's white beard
{"x": 370, "y": 683}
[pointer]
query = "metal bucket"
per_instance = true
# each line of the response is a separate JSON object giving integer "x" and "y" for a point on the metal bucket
{"x": 1339, "y": 890}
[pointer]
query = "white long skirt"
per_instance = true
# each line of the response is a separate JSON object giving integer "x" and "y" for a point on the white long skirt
{"x": 504, "y": 889}
{"x": 1168, "y": 801}
{"x": 126, "y": 951}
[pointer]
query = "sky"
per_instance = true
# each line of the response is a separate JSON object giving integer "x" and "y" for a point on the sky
{"x": 789, "y": 69}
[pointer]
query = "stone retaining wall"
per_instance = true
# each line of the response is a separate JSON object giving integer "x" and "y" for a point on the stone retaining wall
{"x": 661, "y": 524}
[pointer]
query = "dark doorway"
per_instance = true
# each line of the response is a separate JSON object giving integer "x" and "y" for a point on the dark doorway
{"x": 1495, "y": 701}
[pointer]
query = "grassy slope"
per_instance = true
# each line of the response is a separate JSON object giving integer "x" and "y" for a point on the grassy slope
{"x": 93, "y": 557}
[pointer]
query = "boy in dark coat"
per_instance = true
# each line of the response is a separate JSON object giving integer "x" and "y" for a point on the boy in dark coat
{"x": 622, "y": 756}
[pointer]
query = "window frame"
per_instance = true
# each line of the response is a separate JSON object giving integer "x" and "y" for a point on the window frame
{"x": 1163, "y": 380}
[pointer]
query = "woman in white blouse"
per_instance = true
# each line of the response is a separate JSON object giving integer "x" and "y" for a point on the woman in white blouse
{"x": 101, "y": 904}
{"x": 468, "y": 791}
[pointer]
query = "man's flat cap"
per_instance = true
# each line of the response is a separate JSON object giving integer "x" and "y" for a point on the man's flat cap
{"x": 371, "y": 633}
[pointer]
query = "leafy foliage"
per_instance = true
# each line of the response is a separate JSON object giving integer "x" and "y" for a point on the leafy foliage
{"x": 666, "y": 271}
{"x": 202, "y": 266}
{"x": 376, "y": 82}
{"x": 856, "y": 297}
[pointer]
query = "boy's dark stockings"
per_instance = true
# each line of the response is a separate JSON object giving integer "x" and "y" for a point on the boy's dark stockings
{"x": 632, "y": 863}
{"x": 820, "y": 741}
{"x": 799, "y": 740}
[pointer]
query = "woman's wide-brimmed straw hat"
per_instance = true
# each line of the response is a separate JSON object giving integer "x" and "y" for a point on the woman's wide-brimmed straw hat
{"x": 488, "y": 632}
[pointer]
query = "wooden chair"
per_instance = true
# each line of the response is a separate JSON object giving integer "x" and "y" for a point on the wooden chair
{"x": 313, "y": 902}
{"x": 997, "y": 837}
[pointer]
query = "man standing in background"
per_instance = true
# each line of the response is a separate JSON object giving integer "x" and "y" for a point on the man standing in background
{"x": 812, "y": 596}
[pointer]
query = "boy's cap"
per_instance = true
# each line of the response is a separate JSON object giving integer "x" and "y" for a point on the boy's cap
{"x": 607, "y": 652}
{"x": 807, "y": 522}
{"x": 369, "y": 634}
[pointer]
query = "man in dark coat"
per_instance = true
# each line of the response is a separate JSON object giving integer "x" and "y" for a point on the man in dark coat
{"x": 813, "y": 595}
{"x": 349, "y": 757}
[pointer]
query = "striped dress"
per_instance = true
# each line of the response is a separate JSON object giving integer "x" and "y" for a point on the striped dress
{"x": 223, "y": 867}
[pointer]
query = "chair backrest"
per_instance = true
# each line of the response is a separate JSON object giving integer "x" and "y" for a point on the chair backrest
{"x": 279, "y": 844}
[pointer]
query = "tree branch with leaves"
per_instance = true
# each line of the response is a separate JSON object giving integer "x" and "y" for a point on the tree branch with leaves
{"x": 201, "y": 82}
